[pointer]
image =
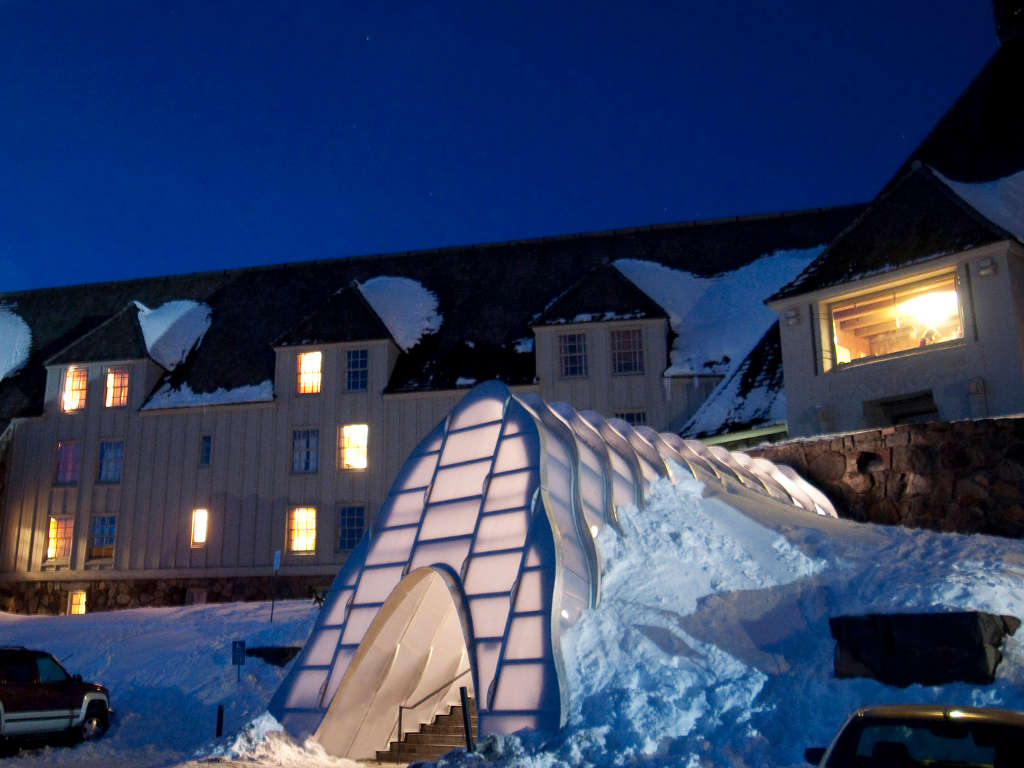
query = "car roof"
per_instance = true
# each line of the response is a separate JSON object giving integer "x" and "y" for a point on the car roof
{"x": 942, "y": 712}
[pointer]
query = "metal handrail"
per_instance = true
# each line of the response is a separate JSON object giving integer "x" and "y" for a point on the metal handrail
{"x": 442, "y": 687}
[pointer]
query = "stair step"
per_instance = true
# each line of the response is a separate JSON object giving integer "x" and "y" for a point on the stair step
{"x": 433, "y": 740}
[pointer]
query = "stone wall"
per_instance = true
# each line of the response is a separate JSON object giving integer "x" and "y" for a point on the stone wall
{"x": 965, "y": 476}
{"x": 51, "y": 597}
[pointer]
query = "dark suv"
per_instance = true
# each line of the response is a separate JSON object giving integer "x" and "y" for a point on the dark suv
{"x": 38, "y": 697}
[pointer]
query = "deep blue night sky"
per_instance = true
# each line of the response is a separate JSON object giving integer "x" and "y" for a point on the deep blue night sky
{"x": 144, "y": 138}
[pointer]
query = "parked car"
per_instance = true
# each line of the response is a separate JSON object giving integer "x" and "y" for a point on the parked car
{"x": 908, "y": 735}
{"x": 38, "y": 697}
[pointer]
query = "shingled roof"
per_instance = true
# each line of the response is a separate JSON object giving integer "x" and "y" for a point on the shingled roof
{"x": 488, "y": 295}
{"x": 917, "y": 219}
{"x": 604, "y": 293}
{"x": 345, "y": 316}
{"x": 118, "y": 338}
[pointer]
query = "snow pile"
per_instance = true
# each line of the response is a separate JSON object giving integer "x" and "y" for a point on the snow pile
{"x": 1000, "y": 201}
{"x": 184, "y": 397}
{"x": 173, "y": 329}
{"x": 15, "y": 342}
{"x": 407, "y": 308}
{"x": 717, "y": 320}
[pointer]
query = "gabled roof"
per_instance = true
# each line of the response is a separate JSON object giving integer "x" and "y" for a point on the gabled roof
{"x": 118, "y": 338}
{"x": 602, "y": 294}
{"x": 917, "y": 219}
{"x": 344, "y": 316}
{"x": 979, "y": 137}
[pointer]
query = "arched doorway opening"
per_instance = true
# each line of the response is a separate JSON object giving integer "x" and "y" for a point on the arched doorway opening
{"x": 414, "y": 656}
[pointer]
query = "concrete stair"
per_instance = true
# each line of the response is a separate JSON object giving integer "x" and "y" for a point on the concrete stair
{"x": 433, "y": 740}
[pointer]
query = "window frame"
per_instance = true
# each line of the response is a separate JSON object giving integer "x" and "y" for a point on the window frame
{"x": 112, "y": 536}
{"x": 75, "y": 381}
{"x": 345, "y": 530}
{"x": 106, "y": 445}
{"x": 77, "y": 607}
{"x": 627, "y": 359}
{"x": 292, "y": 531}
{"x": 205, "y": 451}
{"x": 194, "y": 542}
{"x": 310, "y": 464}
{"x": 572, "y": 356}
{"x": 73, "y": 460}
{"x": 629, "y": 415}
{"x": 357, "y": 377}
{"x": 116, "y": 383}
{"x": 305, "y": 384}
{"x": 346, "y": 447}
{"x": 53, "y": 536}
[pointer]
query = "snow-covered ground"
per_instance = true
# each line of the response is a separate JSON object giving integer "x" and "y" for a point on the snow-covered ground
{"x": 710, "y": 647}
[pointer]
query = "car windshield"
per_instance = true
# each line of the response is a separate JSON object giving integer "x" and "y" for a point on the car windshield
{"x": 873, "y": 743}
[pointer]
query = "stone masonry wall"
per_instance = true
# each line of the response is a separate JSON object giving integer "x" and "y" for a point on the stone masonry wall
{"x": 965, "y": 476}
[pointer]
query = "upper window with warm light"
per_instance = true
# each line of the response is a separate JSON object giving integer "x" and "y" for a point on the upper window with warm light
{"x": 898, "y": 319}
{"x": 72, "y": 397}
{"x": 308, "y": 369}
{"x": 353, "y": 440}
{"x": 116, "y": 393}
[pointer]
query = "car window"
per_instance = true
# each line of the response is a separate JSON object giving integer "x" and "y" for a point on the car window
{"x": 17, "y": 670}
{"x": 50, "y": 671}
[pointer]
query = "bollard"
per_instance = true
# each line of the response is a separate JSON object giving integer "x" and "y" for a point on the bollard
{"x": 220, "y": 720}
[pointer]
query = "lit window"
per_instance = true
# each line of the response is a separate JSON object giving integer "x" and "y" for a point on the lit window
{"x": 356, "y": 370}
{"x": 309, "y": 367}
{"x": 75, "y": 383}
{"x": 111, "y": 458}
{"x": 76, "y": 603}
{"x": 200, "y": 518}
{"x": 117, "y": 388}
{"x": 351, "y": 521}
{"x": 627, "y": 351}
{"x": 572, "y": 355}
{"x": 104, "y": 530}
{"x": 58, "y": 538}
{"x": 352, "y": 443}
{"x": 635, "y": 418}
{"x": 305, "y": 448}
{"x": 302, "y": 530}
{"x": 205, "y": 449}
{"x": 68, "y": 462}
{"x": 897, "y": 319}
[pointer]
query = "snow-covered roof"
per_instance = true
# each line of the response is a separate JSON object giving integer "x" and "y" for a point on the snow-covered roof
{"x": 1000, "y": 201}
{"x": 407, "y": 308}
{"x": 15, "y": 342}
{"x": 168, "y": 396}
{"x": 173, "y": 330}
{"x": 716, "y": 319}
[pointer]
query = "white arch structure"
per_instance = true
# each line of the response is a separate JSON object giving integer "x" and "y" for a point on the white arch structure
{"x": 483, "y": 554}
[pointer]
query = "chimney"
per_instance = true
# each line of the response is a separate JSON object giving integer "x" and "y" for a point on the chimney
{"x": 1009, "y": 19}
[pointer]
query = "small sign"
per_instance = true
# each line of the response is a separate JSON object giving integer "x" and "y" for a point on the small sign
{"x": 238, "y": 652}
{"x": 277, "y": 560}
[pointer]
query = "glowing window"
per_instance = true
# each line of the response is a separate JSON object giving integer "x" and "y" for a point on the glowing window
{"x": 75, "y": 384}
{"x": 104, "y": 531}
{"x": 309, "y": 367}
{"x": 351, "y": 521}
{"x": 357, "y": 370}
{"x": 628, "y": 351}
{"x": 352, "y": 444}
{"x": 302, "y": 530}
{"x": 200, "y": 518}
{"x": 116, "y": 388}
{"x": 572, "y": 355}
{"x": 69, "y": 455}
{"x": 58, "y": 538}
{"x": 76, "y": 603}
{"x": 111, "y": 459}
{"x": 897, "y": 319}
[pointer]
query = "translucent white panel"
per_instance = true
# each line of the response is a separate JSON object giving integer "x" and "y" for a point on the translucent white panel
{"x": 433, "y": 442}
{"x": 461, "y": 481}
{"x": 456, "y": 518}
{"x": 359, "y": 620}
{"x": 502, "y": 531}
{"x": 492, "y": 573}
{"x": 393, "y": 545}
{"x": 507, "y": 723}
{"x": 341, "y": 662}
{"x": 575, "y": 589}
{"x": 511, "y": 491}
{"x": 649, "y": 471}
{"x": 532, "y": 558}
{"x": 477, "y": 412}
{"x": 336, "y": 608}
{"x": 800, "y": 498}
{"x": 516, "y": 453}
{"x": 305, "y": 689}
{"x": 517, "y": 420}
{"x": 403, "y": 509}
{"x": 623, "y": 490}
{"x": 521, "y": 687}
{"x": 418, "y": 472}
{"x": 487, "y": 652}
{"x": 527, "y": 638}
{"x": 530, "y": 595}
{"x": 489, "y": 615}
{"x": 320, "y": 648}
{"x": 471, "y": 444}
{"x": 377, "y": 583}
{"x": 452, "y": 553}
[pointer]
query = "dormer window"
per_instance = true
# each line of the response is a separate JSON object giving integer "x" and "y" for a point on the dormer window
{"x": 73, "y": 395}
{"x": 898, "y": 319}
{"x": 308, "y": 366}
{"x": 116, "y": 392}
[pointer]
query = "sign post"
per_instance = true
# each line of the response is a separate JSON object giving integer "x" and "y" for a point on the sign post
{"x": 273, "y": 582}
{"x": 238, "y": 657}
